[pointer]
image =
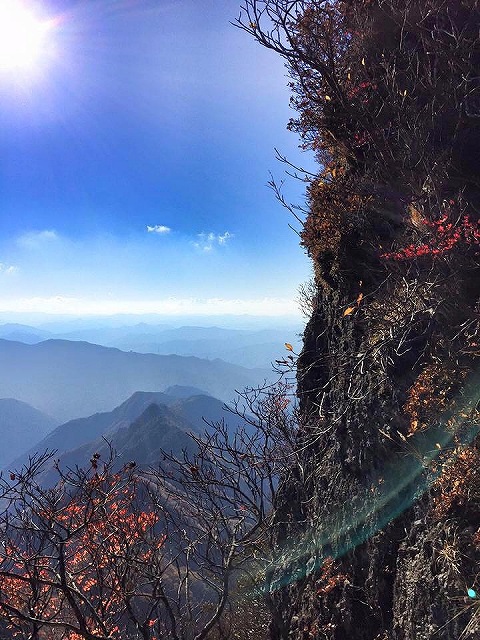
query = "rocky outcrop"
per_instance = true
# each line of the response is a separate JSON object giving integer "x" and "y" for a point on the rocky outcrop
{"x": 379, "y": 520}
{"x": 367, "y": 492}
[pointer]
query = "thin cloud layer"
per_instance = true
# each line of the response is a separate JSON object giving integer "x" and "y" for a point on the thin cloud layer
{"x": 226, "y": 236}
{"x": 141, "y": 267}
{"x": 7, "y": 270}
{"x": 161, "y": 229}
{"x": 32, "y": 239}
{"x": 207, "y": 241}
{"x": 64, "y": 304}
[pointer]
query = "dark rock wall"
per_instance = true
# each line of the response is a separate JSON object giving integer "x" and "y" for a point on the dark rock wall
{"x": 364, "y": 490}
{"x": 361, "y": 492}
{"x": 378, "y": 520}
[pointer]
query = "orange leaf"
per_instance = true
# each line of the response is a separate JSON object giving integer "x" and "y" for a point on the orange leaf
{"x": 348, "y": 311}
{"x": 288, "y": 346}
{"x": 360, "y": 298}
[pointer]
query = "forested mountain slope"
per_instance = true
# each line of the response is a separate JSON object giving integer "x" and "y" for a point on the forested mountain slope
{"x": 78, "y": 432}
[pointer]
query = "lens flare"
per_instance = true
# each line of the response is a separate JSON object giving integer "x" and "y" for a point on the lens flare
{"x": 400, "y": 483}
{"x": 24, "y": 37}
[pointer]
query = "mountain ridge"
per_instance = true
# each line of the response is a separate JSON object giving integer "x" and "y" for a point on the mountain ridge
{"x": 72, "y": 439}
{"x": 49, "y": 375}
{"x": 20, "y": 421}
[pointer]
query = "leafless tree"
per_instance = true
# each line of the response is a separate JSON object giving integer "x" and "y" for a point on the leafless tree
{"x": 143, "y": 554}
{"x": 218, "y": 505}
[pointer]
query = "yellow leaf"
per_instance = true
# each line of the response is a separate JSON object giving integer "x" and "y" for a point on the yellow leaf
{"x": 288, "y": 346}
{"x": 327, "y": 98}
{"x": 348, "y": 311}
{"x": 363, "y": 61}
{"x": 349, "y": 77}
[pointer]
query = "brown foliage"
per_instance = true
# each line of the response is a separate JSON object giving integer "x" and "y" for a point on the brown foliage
{"x": 388, "y": 97}
{"x": 432, "y": 395}
{"x": 144, "y": 555}
{"x": 329, "y": 578}
{"x": 333, "y": 208}
{"x": 459, "y": 481}
{"x": 82, "y": 561}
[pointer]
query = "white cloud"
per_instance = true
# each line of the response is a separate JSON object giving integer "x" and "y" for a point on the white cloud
{"x": 33, "y": 239}
{"x": 207, "y": 241}
{"x": 158, "y": 228}
{"x": 166, "y": 306}
{"x": 226, "y": 236}
{"x": 8, "y": 270}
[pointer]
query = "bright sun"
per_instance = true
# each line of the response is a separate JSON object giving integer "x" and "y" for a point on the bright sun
{"x": 23, "y": 37}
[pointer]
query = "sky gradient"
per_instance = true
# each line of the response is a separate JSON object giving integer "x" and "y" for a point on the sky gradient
{"x": 134, "y": 165}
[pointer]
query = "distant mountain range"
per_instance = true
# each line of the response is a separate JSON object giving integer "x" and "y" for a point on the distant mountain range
{"x": 20, "y": 424}
{"x": 137, "y": 430}
{"x": 23, "y": 333}
{"x": 68, "y": 380}
{"x": 248, "y": 348}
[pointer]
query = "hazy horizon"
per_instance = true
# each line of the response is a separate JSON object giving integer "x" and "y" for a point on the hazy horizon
{"x": 231, "y": 321}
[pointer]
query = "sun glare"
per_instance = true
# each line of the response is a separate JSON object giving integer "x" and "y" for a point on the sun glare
{"x": 24, "y": 37}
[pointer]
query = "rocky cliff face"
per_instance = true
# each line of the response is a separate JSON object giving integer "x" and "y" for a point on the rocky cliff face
{"x": 366, "y": 492}
{"x": 379, "y": 519}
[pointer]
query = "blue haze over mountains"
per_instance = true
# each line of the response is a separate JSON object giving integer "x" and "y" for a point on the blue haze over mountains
{"x": 143, "y": 387}
{"x": 69, "y": 380}
{"x": 20, "y": 424}
{"x": 138, "y": 430}
{"x": 252, "y": 347}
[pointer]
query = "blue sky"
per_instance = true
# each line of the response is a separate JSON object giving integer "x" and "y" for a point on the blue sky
{"x": 134, "y": 161}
